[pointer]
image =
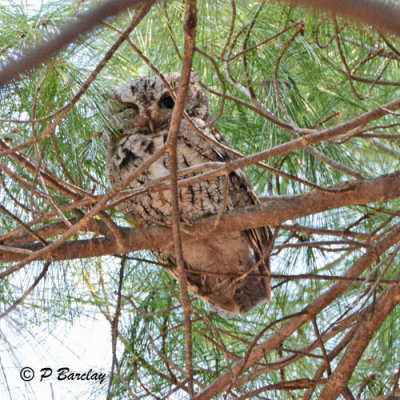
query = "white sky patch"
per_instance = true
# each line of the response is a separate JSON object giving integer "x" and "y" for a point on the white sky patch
{"x": 32, "y": 6}
{"x": 81, "y": 347}
{"x": 84, "y": 347}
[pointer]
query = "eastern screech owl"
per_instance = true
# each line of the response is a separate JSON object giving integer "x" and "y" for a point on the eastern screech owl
{"x": 138, "y": 115}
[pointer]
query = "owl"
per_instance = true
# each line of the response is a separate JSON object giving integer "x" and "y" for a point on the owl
{"x": 137, "y": 117}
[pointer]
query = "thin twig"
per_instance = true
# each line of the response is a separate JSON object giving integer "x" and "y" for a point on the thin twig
{"x": 171, "y": 147}
{"x": 378, "y": 14}
{"x": 68, "y": 34}
{"x": 28, "y": 291}
{"x": 383, "y": 188}
{"x": 313, "y": 309}
{"x": 50, "y": 128}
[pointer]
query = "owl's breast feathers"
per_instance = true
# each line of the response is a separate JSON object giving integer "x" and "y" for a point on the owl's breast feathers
{"x": 229, "y": 270}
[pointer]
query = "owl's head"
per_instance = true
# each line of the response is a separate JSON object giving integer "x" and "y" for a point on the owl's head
{"x": 145, "y": 105}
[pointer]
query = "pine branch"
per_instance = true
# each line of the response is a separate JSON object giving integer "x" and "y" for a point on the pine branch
{"x": 381, "y": 189}
{"x": 68, "y": 34}
{"x": 381, "y": 15}
{"x": 310, "y": 312}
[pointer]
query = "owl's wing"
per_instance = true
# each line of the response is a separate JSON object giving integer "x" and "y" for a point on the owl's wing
{"x": 241, "y": 194}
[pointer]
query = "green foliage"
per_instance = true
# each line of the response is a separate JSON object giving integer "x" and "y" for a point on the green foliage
{"x": 313, "y": 86}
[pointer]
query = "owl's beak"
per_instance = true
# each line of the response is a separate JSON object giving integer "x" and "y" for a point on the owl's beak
{"x": 151, "y": 125}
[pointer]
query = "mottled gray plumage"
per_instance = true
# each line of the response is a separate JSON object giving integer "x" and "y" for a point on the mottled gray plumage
{"x": 138, "y": 115}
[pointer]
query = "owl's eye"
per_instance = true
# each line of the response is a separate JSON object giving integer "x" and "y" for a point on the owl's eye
{"x": 127, "y": 105}
{"x": 166, "y": 102}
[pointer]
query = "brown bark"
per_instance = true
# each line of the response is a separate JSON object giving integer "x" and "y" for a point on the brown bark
{"x": 310, "y": 312}
{"x": 381, "y": 15}
{"x": 171, "y": 147}
{"x": 339, "y": 379}
{"x": 275, "y": 212}
{"x": 68, "y": 34}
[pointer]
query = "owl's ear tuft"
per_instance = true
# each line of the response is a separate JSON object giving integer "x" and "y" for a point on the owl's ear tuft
{"x": 194, "y": 77}
{"x": 173, "y": 78}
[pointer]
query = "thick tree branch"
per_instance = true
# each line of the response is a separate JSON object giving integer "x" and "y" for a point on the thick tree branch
{"x": 44, "y": 238}
{"x": 68, "y": 34}
{"x": 341, "y": 376}
{"x": 381, "y": 15}
{"x": 310, "y": 312}
{"x": 301, "y": 142}
{"x": 63, "y": 112}
{"x": 365, "y": 191}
